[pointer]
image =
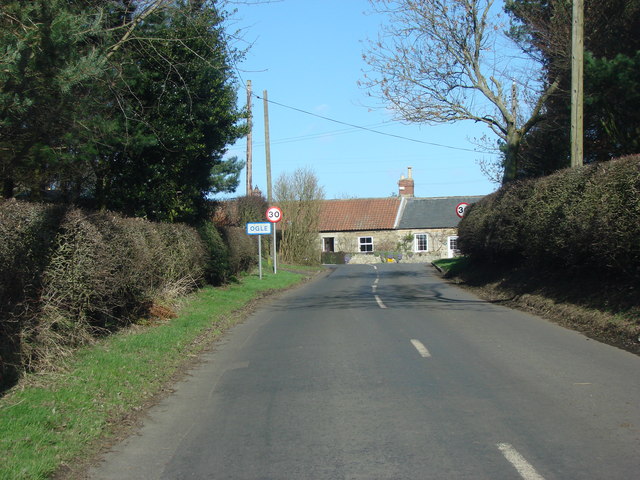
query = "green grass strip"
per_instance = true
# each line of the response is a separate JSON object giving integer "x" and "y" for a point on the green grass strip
{"x": 452, "y": 266}
{"x": 51, "y": 419}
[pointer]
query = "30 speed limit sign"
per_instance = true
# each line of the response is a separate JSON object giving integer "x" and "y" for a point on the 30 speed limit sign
{"x": 274, "y": 214}
{"x": 460, "y": 209}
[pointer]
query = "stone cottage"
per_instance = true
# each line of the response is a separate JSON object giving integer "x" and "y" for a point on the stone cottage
{"x": 403, "y": 228}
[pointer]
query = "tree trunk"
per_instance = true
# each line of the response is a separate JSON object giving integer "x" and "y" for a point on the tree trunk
{"x": 511, "y": 153}
{"x": 100, "y": 193}
{"x": 8, "y": 186}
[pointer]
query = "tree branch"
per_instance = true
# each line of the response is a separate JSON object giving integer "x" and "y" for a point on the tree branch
{"x": 156, "y": 4}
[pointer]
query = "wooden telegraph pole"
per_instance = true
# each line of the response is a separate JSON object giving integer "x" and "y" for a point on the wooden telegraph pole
{"x": 267, "y": 147}
{"x": 249, "y": 142}
{"x": 577, "y": 81}
{"x": 267, "y": 144}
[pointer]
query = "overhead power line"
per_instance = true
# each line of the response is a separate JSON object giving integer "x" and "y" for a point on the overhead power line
{"x": 359, "y": 127}
{"x": 319, "y": 135}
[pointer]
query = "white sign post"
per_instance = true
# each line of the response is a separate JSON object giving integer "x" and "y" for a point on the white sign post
{"x": 259, "y": 228}
{"x": 274, "y": 215}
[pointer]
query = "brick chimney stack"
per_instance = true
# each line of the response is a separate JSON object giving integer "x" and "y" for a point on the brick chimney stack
{"x": 405, "y": 185}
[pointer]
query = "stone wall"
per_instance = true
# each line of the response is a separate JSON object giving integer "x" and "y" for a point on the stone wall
{"x": 396, "y": 245}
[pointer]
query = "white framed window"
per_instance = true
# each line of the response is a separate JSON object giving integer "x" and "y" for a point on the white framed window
{"x": 365, "y": 244}
{"x": 421, "y": 242}
{"x": 453, "y": 246}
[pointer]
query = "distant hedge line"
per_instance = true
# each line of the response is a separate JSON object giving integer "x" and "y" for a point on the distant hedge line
{"x": 67, "y": 275}
{"x": 582, "y": 219}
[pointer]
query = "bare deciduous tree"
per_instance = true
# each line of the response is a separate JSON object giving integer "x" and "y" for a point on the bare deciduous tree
{"x": 442, "y": 61}
{"x": 300, "y": 197}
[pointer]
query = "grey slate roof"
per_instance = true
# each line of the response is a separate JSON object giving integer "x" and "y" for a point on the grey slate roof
{"x": 436, "y": 212}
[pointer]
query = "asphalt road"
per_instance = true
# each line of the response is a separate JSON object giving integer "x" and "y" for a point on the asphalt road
{"x": 386, "y": 372}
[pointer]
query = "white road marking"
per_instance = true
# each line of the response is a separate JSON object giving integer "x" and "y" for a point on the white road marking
{"x": 239, "y": 366}
{"x": 373, "y": 288}
{"x": 375, "y": 281}
{"x": 375, "y": 268}
{"x": 422, "y": 350}
{"x": 524, "y": 468}
{"x": 380, "y": 304}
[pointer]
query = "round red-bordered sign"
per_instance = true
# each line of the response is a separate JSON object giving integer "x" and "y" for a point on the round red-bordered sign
{"x": 460, "y": 209}
{"x": 274, "y": 214}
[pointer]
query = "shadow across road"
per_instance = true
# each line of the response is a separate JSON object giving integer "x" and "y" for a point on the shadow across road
{"x": 397, "y": 286}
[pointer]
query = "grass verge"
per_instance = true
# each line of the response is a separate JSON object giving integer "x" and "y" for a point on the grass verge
{"x": 49, "y": 420}
{"x": 452, "y": 266}
{"x": 605, "y": 309}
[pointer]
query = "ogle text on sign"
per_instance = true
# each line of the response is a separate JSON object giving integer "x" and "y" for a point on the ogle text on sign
{"x": 259, "y": 228}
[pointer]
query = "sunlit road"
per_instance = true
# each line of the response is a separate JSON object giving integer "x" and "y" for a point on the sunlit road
{"x": 389, "y": 373}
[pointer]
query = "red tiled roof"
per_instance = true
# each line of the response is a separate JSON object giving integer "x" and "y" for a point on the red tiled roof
{"x": 359, "y": 214}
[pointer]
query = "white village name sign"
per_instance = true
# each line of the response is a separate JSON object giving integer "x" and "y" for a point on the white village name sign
{"x": 259, "y": 228}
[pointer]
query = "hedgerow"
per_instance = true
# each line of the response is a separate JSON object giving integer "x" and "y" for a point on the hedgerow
{"x": 27, "y": 235}
{"x": 68, "y": 275}
{"x": 217, "y": 265}
{"x": 242, "y": 250}
{"x": 585, "y": 219}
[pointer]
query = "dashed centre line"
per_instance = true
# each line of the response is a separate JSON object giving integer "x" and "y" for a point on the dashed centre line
{"x": 380, "y": 304}
{"x": 374, "y": 288}
{"x": 524, "y": 468}
{"x": 422, "y": 350}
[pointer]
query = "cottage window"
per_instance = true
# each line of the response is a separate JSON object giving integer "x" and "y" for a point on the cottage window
{"x": 421, "y": 242}
{"x": 365, "y": 244}
{"x": 328, "y": 244}
{"x": 453, "y": 249}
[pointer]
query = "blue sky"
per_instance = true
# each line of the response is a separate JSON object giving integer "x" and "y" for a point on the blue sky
{"x": 307, "y": 54}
